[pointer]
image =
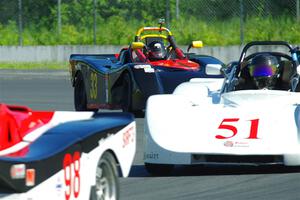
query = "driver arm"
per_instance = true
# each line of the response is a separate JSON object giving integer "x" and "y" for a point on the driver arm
{"x": 179, "y": 53}
{"x": 141, "y": 56}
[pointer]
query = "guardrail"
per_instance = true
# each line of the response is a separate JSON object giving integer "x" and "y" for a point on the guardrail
{"x": 62, "y": 53}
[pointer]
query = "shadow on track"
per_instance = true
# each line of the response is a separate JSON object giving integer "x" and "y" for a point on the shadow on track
{"x": 213, "y": 170}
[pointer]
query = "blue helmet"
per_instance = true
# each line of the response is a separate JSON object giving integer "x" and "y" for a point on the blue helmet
{"x": 264, "y": 70}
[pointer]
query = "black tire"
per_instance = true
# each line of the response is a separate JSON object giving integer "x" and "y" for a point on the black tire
{"x": 107, "y": 183}
{"x": 80, "y": 96}
{"x": 159, "y": 169}
{"x": 127, "y": 97}
{"x": 80, "y": 100}
{"x": 126, "y": 94}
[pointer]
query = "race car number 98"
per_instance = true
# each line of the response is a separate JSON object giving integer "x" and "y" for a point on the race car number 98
{"x": 72, "y": 182}
{"x": 224, "y": 125}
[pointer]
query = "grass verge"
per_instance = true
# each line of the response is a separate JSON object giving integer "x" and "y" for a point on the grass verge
{"x": 35, "y": 65}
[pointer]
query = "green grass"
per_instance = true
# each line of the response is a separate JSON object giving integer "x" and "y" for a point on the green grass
{"x": 117, "y": 31}
{"x": 34, "y": 65}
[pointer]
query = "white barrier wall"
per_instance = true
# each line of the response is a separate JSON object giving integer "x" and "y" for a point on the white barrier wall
{"x": 49, "y": 53}
{"x": 62, "y": 53}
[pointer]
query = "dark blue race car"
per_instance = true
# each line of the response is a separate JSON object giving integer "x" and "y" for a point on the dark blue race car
{"x": 152, "y": 64}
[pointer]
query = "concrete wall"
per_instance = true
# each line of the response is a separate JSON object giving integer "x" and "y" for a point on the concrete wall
{"x": 49, "y": 53}
{"x": 62, "y": 53}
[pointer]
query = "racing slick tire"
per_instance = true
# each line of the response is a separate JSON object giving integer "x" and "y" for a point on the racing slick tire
{"x": 127, "y": 97}
{"x": 80, "y": 97}
{"x": 159, "y": 169}
{"x": 107, "y": 183}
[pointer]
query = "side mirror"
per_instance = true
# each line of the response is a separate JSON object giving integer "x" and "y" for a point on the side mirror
{"x": 213, "y": 69}
{"x": 195, "y": 44}
{"x": 137, "y": 45}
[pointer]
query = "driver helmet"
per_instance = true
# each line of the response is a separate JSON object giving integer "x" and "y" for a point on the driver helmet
{"x": 264, "y": 70}
{"x": 156, "y": 51}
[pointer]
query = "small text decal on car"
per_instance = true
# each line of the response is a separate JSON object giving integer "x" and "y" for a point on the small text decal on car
{"x": 128, "y": 136}
{"x": 141, "y": 66}
{"x": 17, "y": 171}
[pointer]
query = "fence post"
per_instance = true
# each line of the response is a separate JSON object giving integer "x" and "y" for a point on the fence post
{"x": 168, "y": 13}
{"x": 20, "y": 23}
{"x": 297, "y": 10}
{"x": 95, "y": 23}
{"x": 242, "y": 22}
{"x": 59, "y": 17}
{"x": 177, "y": 9}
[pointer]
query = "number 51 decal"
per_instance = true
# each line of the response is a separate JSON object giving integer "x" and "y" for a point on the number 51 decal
{"x": 225, "y": 125}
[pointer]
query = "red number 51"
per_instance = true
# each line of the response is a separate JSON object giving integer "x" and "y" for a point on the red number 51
{"x": 233, "y": 129}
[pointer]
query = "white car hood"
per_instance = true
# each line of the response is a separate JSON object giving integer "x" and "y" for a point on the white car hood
{"x": 178, "y": 124}
{"x": 261, "y": 97}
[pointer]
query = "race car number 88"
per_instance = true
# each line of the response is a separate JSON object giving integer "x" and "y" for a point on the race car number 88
{"x": 233, "y": 129}
{"x": 72, "y": 182}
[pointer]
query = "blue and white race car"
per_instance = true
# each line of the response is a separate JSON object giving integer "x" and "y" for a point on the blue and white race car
{"x": 63, "y": 155}
{"x": 252, "y": 117}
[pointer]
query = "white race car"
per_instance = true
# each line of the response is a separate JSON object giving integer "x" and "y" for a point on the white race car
{"x": 63, "y": 155}
{"x": 252, "y": 117}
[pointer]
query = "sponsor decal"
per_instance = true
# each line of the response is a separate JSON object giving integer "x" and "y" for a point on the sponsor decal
{"x": 17, "y": 171}
{"x": 151, "y": 155}
{"x": 228, "y": 144}
{"x": 141, "y": 66}
{"x": 241, "y": 144}
{"x": 30, "y": 177}
{"x": 59, "y": 187}
{"x": 235, "y": 144}
{"x": 32, "y": 124}
{"x": 149, "y": 70}
{"x": 128, "y": 137}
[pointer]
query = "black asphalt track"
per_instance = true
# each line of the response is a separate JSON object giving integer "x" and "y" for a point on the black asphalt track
{"x": 51, "y": 90}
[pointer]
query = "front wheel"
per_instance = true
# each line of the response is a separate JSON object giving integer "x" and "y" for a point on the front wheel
{"x": 80, "y": 96}
{"x": 80, "y": 99}
{"x": 127, "y": 97}
{"x": 107, "y": 184}
{"x": 159, "y": 169}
